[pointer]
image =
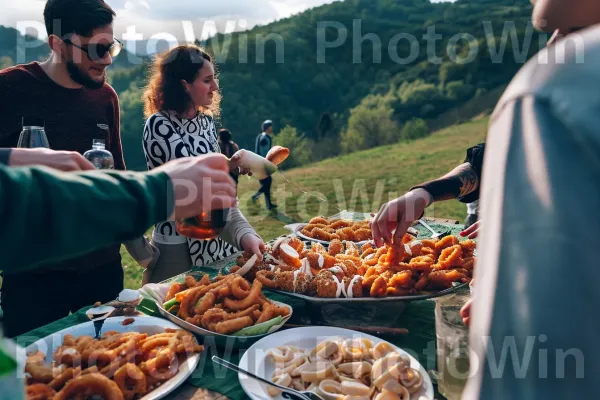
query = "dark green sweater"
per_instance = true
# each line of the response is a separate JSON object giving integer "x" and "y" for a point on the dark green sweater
{"x": 47, "y": 216}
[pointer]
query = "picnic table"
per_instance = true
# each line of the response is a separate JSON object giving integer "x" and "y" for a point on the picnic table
{"x": 210, "y": 381}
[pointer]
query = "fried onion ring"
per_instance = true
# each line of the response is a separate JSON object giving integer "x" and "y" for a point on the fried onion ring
{"x": 90, "y": 385}
{"x": 60, "y": 381}
{"x": 39, "y": 391}
{"x": 253, "y": 298}
{"x": 448, "y": 241}
{"x": 379, "y": 287}
{"x": 131, "y": 380}
{"x": 233, "y": 325}
{"x": 451, "y": 257}
{"x": 240, "y": 288}
{"x": 267, "y": 278}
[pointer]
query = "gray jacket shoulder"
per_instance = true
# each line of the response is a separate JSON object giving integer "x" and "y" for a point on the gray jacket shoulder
{"x": 566, "y": 77}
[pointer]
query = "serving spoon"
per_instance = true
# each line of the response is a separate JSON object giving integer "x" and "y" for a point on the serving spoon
{"x": 286, "y": 392}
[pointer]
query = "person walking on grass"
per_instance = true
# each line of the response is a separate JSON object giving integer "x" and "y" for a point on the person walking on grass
{"x": 264, "y": 142}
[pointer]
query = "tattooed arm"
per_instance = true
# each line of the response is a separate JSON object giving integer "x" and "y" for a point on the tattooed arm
{"x": 456, "y": 184}
{"x": 394, "y": 217}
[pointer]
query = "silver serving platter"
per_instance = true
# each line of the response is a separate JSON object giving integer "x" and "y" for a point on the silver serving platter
{"x": 331, "y": 300}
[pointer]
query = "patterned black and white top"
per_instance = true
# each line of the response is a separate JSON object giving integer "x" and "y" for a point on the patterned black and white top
{"x": 168, "y": 137}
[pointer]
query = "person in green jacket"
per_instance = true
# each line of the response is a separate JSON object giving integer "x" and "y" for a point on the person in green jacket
{"x": 66, "y": 209}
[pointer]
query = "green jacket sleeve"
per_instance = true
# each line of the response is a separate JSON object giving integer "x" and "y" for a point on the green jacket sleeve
{"x": 48, "y": 215}
{"x": 4, "y": 156}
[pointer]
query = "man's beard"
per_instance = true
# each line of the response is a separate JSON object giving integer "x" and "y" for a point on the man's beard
{"x": 82, "y": 78}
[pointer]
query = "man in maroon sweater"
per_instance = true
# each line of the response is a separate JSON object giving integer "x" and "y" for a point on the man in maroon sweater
{"x": 69, "y": 91}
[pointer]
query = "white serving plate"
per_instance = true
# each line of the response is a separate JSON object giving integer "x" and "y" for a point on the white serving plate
{"x": 149, "y": 325}
{"x": 255, "y": 360}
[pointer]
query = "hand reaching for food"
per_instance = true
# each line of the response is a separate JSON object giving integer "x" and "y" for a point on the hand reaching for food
{"x": 465, "y": 313}
{"x": 471, "y": 232}
{"x": 253, "y": 244}
{"x": 398, "y": 215}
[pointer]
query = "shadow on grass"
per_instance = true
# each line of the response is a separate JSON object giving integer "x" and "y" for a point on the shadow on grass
{"x": 281, "y": 216}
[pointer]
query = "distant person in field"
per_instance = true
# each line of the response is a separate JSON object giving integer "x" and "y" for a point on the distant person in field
{"x": 229, "y": 148}
{"x": 264, "y": 142}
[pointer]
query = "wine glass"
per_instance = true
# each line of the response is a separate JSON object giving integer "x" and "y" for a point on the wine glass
{"x": 33, "y": 134}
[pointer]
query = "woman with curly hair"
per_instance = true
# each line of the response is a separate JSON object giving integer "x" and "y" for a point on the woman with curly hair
{"x": 181, "y": 101}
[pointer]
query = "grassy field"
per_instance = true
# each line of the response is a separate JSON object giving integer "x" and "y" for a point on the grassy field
{"x": 359, "y": 182}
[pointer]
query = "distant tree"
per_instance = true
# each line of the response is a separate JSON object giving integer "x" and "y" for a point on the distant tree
{"x": 459, "y": 91}
{"x": 6, "y": 62}
{"x": 419, "y": 99}
{"x": 450, "y": 71}
{"x": 300, "y": 146}
{"x": 414, "y": 129}
{"x": 132, "y": 128}
{"x": 370, "y": 125}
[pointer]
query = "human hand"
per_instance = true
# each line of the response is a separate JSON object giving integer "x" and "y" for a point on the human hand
{"x": 398, "y": 215}
{"x": 253, "y": 244}
{"x": 465, "y": 313}
{"x": 60, "y": 160}
{"x": 200, "y": 184}
{"x": 234, "y": 165}
{"x": 471, "y": 232}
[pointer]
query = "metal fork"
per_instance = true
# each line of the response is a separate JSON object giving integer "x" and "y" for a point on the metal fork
{"x": 286, "y": 393}
{"x": 434, "y": 235}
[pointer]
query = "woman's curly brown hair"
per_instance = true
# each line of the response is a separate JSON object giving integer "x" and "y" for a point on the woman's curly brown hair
{"x": 165, "y": 92}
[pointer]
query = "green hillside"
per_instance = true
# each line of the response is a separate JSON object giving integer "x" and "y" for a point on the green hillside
{"x": 384, "y": 170}
{"x": 330, "y": 97}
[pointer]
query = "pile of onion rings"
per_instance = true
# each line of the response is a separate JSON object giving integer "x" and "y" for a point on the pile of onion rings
{"x": 344, "y": 269}
{"x": 321, "y": 228}
{"x": 119, "y": 366}
{"x": 226, "y": 305}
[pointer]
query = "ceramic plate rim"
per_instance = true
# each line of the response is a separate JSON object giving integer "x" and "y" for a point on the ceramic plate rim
{"x": 190, "y": 364}
{"x": 310, "y": 331}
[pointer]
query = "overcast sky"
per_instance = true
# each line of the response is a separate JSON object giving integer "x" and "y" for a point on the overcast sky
{"x": 152, "y": 17}
{"x": 161, "y": 17}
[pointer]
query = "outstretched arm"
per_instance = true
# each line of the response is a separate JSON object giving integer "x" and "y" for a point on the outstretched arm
{"x": 456, "y": 184}
{"x": 75, "y": 213}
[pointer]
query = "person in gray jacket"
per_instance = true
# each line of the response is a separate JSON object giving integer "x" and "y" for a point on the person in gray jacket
{"x": 264, "y": 142}
{"x": 533, "y": 327}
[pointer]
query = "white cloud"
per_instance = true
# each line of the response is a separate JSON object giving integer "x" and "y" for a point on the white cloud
{"x": 151, "y": 17}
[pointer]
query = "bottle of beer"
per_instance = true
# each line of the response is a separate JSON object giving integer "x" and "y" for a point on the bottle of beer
{"x": 205, "y": 226}
{"x": 99, "y": 156}
{"x": 33, "y": 134}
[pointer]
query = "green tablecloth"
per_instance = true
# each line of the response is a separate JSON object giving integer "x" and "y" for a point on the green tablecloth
{"x": 420, "y": 342}
{"x": 418, "y": 318}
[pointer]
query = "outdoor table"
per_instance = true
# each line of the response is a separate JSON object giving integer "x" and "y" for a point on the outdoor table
{"x": 211, "y": 381}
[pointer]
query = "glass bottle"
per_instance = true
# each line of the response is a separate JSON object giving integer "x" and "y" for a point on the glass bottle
{"x": 452, "y": 345}
{"x": 33, "y": 134}
{"x": 99, "y": 156}
{"x": 209, "y": 225}
{"x": 205, "y": 226}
